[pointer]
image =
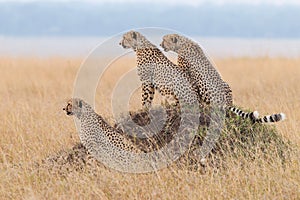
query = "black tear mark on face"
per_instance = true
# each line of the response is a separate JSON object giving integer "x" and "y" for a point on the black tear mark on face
{"x": 174, "y": 39}
{"x": 134, "y": 35}
{"x": 80, "y": 104}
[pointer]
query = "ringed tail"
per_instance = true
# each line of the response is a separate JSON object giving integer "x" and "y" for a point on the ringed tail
{"x": 271, "y": 118}
{"x": 254, "y": 116}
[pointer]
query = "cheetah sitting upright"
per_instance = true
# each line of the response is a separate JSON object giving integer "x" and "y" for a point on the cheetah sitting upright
{"x": 156, "y": 71}
{"x": 212, "y": 89}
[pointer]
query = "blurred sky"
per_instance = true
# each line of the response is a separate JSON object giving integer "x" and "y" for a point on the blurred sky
{"x": 188, "y": 2}
{"x": 219, "y": 18}
{"x": 73, "y": 27}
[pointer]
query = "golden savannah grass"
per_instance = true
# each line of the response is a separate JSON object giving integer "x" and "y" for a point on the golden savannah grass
{"x": 33, "y": 126}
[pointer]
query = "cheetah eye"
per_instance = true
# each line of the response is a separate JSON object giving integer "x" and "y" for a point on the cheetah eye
{"x": 80, "y": 104}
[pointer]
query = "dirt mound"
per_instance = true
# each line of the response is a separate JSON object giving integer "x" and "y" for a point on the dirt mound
{"x": 239, "y": 139}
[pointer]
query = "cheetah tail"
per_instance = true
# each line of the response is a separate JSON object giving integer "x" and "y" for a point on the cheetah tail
{"x": 254, "y": 116}
{"x": 271, "y": 118}
{"x": 251, "y": 115}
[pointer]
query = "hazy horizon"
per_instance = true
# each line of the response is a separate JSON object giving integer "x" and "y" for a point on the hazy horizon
{"x": 216, "y": 47}
{"x": 225, "y": 28}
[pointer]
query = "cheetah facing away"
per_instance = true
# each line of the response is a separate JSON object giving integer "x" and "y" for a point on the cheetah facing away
{"x": 211, "y": 87}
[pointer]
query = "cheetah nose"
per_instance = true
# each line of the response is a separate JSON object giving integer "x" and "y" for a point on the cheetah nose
{"x": 120, "y": 43}
{"x": 64, "y": 108}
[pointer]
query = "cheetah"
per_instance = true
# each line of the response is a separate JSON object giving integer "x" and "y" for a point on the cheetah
{"x": 157, "y": 72}
{"x": 89, "y": 121}
{"x": 112, "y": 147}
{"x": 212, "y": 89}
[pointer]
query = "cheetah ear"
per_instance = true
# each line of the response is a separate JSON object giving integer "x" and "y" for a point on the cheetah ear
{"x": 134, "y": 35}
{"x": 174, "y": 39}
{"x": 80, "y": 104}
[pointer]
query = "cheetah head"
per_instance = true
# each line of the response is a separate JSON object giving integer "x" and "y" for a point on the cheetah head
{"x": 132, "y": 39}
{"x": 171, "y": 42}
{"x": 76, "y": 107}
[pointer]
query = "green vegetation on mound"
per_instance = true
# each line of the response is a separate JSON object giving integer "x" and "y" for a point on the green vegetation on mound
{"x": 244, "y": 141}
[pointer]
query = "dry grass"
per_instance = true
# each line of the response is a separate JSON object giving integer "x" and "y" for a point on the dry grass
{"x": 33, "y": 126}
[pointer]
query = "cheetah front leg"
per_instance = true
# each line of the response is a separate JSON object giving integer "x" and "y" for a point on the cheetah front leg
{"x": 142, "y": 116}
{"x": 171, "y": 100}
{"x": 147, "y": 95}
